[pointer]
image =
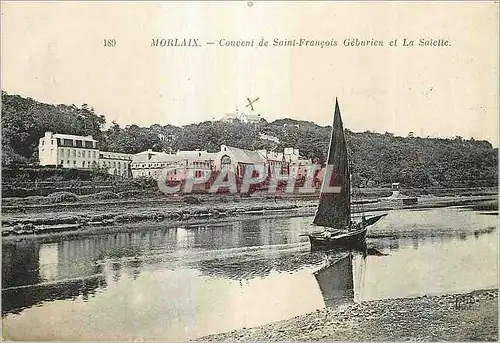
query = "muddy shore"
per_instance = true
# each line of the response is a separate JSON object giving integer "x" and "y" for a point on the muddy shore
{"x": 459, "y": 317}
{"x": 107, "y": 217}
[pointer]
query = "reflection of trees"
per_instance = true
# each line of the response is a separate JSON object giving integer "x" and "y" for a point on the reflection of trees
{"x": 245, "y": 233}
{"x": 393, "y": 244}
{"x": 415, "y": 242}
{"x": 216, "y": 236}
{"x": 23, "y": 286}
{"x": 250, "y": 266}
{"x": 20, "y": 265}
{"x": 135, "y": 266}
{"x": 251, "y": 229}
{"x": 394, "y": 240}
{"x": 15, "y": 299}
{"x": 484, "y": 231}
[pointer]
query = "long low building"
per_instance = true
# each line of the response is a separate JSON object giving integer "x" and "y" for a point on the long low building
{"x": 179, "y": 165}
{"x": 82, "y": 152}
{"x": 176, "y": 166}
{"x": 116, "y": 163}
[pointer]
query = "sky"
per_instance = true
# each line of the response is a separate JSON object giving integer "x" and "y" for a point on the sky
{"x": 53, "y": 52}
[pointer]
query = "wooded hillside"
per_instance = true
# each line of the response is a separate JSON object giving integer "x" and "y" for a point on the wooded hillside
{"x": 376, "y": 158}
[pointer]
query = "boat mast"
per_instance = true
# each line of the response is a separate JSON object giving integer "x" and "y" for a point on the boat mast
{"x": 358, "y": 206}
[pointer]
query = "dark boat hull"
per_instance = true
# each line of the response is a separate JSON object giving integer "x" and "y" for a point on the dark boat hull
{"x": 349, "y": 240}
{"x": 373, "y": 220}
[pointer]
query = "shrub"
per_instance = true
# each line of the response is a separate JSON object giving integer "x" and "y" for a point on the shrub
{"x": 192, "y": 200}
{"x": 101, "y": 196}
{"x": 145, "y": 182}
{"x": 59, "y": 197}
{"x": 129, "y": 194}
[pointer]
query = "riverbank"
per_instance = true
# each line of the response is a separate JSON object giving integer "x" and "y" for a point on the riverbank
{"x": 102, "y": 218}
{"x": 458, "y": 317}
{"x": 63, "y": 201}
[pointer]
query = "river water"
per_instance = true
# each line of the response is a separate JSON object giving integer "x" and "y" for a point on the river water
{"x": 182, "y": 283}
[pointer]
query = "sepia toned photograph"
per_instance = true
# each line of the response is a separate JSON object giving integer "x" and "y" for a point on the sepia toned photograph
{"x": 249, "y": 171}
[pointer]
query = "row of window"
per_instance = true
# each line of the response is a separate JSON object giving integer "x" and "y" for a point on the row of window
{"x": 154, "y": 165}
{"x": 111, "y": 157}
{"x": 200, "y": 164}
{"x": 114, "y": 164}
{"x": 274, "y": 163}
{"x": 74, "y": 164}
{"x": 78, "y": 153}
{"x": 197, "y": 173}
{"x": 89, "y": 164}
{"x": 72, "y": 143}
{"x": 206, "y": 165}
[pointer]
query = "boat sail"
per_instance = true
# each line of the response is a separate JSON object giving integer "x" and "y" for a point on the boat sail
{"x": 334, "y": 208}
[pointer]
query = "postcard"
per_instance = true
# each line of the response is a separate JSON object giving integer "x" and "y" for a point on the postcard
{"x": 249, "y": 171}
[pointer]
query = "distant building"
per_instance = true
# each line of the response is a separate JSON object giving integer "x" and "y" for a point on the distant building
{"x": 236, "y": 160}
{"x": 291, "y": 154}
{"x": 244, "y": 117}
{"x": 80, "y": 152}
{"x": 150, "y": 163}
{"x": 250, "y": 118}
{"x": 116, "y": 163}
{"x": 176, "y": 166}
{"x": 275, "y": 162}
{"x": 298, "y": 164}
{"x": 68, "y": 151}
{"x": 230, "y": 117}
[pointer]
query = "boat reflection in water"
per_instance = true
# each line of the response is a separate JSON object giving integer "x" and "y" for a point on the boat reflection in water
{"x": 341, "y": 280}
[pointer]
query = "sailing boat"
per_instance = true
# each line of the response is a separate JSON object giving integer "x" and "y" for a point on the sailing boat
{"x": 334, "y": 208}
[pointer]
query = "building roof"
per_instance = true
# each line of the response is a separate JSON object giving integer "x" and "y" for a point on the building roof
{"x": 146, "y": 152}
{"x": 65, "y": 136}
{"x": 117, "y": 155}
{"x": 143, "y": 156}
{"x": 243, "y": 155}
{"x": 163, "y": 157}
{"x": 191, "y": 153}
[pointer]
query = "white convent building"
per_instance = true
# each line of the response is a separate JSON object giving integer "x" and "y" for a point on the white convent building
{"x": 80, "y": 152}
{"x": 69, "y": 151}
